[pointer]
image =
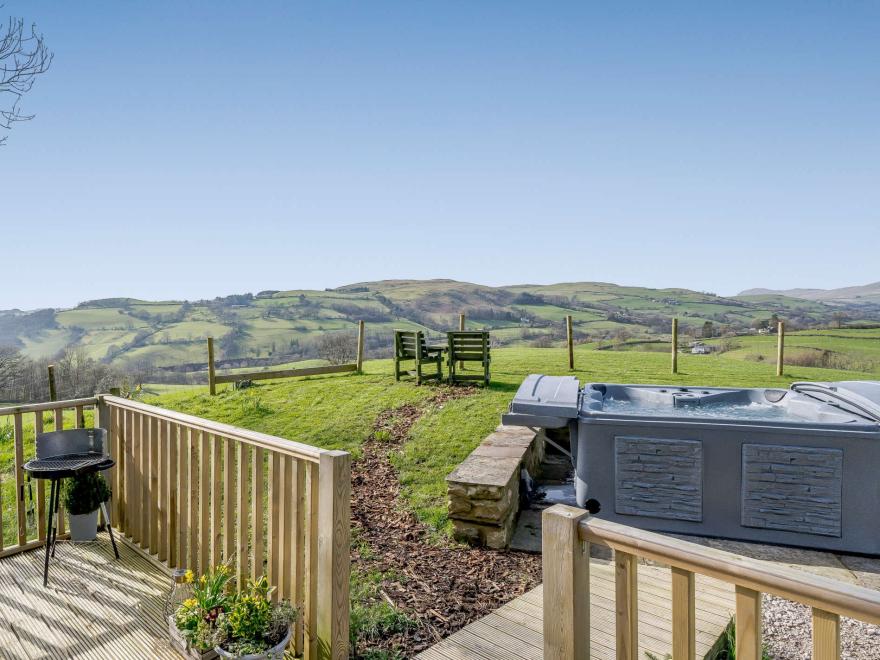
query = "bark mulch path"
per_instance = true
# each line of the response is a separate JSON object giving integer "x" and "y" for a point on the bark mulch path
{"x": 441, "y": 585}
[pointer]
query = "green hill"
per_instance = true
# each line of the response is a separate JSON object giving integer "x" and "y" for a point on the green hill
{"x": 276, "y": 326}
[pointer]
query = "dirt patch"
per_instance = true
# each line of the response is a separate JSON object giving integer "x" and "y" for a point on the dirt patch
{"x": 442, "y": 586}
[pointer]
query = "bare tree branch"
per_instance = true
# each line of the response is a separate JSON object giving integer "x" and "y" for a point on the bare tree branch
{"x": 23, "y": 56}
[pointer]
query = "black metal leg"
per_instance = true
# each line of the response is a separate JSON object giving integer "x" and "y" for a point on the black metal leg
{"x": 49, "y": 527}
{"x": 109, "y": 528}
{"x": 55, "y": 515}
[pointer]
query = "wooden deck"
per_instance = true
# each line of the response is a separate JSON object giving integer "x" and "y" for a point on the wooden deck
{"x": 514, "y": 631}
{"x": 94, "y": 607}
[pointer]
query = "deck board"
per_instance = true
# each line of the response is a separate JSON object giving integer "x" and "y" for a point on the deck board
{"x": 515, "y": 631}
{"x": 94, "y": 607}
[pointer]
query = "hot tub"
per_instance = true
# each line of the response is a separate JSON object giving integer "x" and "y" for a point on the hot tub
{"x": 798, "y": 466}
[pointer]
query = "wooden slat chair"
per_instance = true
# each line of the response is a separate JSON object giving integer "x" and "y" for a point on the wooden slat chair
{"x": 467, "y": 346}
{"x": 410, "y": 345}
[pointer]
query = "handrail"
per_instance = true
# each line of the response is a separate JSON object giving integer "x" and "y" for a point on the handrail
{"x": 194, "y": 492}
{"x": 48, "y": 405}
{"x": 264, "y": 440}
{"x": 817, "y": 591}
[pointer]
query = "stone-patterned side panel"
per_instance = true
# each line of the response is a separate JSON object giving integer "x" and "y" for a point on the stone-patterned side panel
{"x": 797, "y": 489}
{"x": 659, "y": 478}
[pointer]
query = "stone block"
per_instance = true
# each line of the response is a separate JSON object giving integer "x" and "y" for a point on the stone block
{"x": 496, "y": 537}
{"x": 484, "y": 489}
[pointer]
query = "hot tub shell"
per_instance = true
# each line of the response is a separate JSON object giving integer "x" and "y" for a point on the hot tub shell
{"x": 807, "y": 475}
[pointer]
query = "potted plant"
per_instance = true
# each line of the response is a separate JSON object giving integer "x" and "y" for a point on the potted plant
{"x": 82, "y": 496}
{"x": 217, "y": 621}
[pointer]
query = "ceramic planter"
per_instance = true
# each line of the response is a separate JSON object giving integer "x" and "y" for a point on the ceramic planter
{"x": 275, "y": 653}
{"x": 183, "y": 647}
{"x": 84, "y": 527}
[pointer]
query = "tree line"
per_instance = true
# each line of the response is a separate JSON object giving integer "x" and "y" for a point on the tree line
{"x": 23, "y": 379}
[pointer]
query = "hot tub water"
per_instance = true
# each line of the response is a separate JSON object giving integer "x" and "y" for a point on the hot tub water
{"x": 751, "y": 410}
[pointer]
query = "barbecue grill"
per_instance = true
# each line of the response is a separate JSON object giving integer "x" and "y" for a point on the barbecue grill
{"x": 61, "y": 455}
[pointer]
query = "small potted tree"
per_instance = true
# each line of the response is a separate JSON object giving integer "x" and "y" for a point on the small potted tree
{"x": 82, "y": 496}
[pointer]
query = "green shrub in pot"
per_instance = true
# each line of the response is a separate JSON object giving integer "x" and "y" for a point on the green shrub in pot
{"x": 82, "y": 496}
{"x": 244, "y": 624}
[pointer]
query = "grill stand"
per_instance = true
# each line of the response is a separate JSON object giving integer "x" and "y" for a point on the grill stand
{"x": 52, "y": 526}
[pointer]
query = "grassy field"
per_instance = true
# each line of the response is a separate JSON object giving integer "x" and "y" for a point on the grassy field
{"x": 339, "y": 411}
{"x": 851, "y": 349}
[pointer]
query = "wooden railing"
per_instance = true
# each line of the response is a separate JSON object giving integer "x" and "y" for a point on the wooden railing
{"x": 195, "y": 493}
{"x": 567, "y": 535}
{"x": 30, "y": 499}
{"x": 215, "y": 379}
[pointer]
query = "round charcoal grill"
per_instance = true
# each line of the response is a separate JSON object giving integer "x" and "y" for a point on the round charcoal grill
{"x": 61, "y": 455}
{"x": 67, "y": 465}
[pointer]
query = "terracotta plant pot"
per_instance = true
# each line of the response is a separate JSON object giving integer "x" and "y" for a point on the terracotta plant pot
{"x": 84, "y": 527}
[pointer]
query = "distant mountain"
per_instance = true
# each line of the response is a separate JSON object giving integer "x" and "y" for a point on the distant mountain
{"x": 278, "y": 326}
{"x": 867, "y": 294}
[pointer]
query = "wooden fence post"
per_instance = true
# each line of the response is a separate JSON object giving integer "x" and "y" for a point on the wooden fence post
{"x": 780, "y": 347}
{"x": 334, "y": 568}
{"x": 566, "y": 570}
{"x": 360, "y": 347}
{"x": 53, "y": 393}
{"x": 212, "y": 385}
{"x": 675, "y": 346}
{"x": 461, "y": 320}
{"x": 570, "y": 337}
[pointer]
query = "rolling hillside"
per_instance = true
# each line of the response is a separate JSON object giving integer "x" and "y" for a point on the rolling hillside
{"x": 277, "y": 326}
{"x": 868, "y": 294}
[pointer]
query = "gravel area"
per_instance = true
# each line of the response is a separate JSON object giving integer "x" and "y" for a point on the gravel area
{"x": 787, "y": 633}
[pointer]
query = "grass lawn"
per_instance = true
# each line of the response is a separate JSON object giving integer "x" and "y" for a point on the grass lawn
{"x": 338, "y": 411}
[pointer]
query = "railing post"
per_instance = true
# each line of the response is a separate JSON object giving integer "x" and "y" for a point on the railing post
{"x": 212, "y": 385}
{"x": 334, "y": 514}
{"x": 780, "y": 347}
{"x": 360, "y": 347}
{"x": 826, "y": 635}
{"x": 675, "y": 346}
{"x": 748, "y": 624}
{"x": 570, "y": 338}
{"x": 18, "y": 443}
{"x": 102, "y": 421}
{"x": 684, "y": 634}
{"x": 626, "y": 580}
{"x": 566, "y": 569}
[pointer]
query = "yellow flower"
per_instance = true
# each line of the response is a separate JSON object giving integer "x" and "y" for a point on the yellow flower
{"x": 190, "y": 603}
{"x": 189, "y": 576}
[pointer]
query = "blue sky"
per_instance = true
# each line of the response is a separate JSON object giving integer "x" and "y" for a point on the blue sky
{"x": 188, "y": 150}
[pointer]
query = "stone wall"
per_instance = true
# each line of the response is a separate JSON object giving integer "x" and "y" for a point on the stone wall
{"x": 484, "y": 489}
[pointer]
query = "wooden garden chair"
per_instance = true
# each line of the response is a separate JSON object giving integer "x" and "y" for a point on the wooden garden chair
{"x": 410, "y": 345}
{"x": 467, "y": 346}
